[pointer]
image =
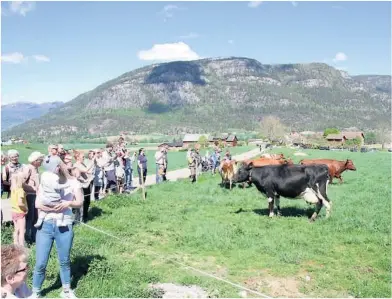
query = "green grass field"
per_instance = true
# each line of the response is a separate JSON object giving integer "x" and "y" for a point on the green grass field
{"x": 229, "y": 234}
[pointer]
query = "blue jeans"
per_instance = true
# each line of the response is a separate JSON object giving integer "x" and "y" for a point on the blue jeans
{"x": 158, "y": 178}
{"x": 128, "y": 178}
{"x": 63, "y": 236}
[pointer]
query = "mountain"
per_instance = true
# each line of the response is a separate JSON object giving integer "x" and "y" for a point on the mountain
{"x": 375, "y": 82}
{"x": 218, "y": 95}
{"x": 20, "y": 112}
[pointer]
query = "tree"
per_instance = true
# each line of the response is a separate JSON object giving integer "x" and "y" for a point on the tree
{"x": 203, "y": 141}
{"x": 328, "y": 131}
{"x": 383, "y": 134}
{"x": 371, "y": 138}
{"x": 272, "y": 128}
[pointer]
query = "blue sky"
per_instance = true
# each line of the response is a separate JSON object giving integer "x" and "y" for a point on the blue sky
{"x": 53, "y": 51}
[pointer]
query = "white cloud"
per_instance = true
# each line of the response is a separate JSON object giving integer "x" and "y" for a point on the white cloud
{"x": 293, "y": 3}
{"x": 254, "y": 4}
{"x": 340, "y": 56}
{"x": 41, "y": 58}
{"x": 21, "y": 7}
{"x": 168, "y": 11}
{"x": 189, "y": 35}
{"x": 168, "y": 52}
{"x": 230, "y": 41}
{"x": 15, "y": 58}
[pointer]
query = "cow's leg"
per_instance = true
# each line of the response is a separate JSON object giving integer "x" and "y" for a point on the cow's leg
{"x": 231, "y": 182}
{"x": 322, "y": 195}
{"x": 317, "y": 210}
{"x": 340, "y": 179}
{"x": 271, "y": 199}
{"x": 277, "y": 204}
{"x": 328, "y": 206}
{"x": 310, "y": 196}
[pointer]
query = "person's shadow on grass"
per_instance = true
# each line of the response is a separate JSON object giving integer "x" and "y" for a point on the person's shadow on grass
{"x": 79, "y": 268}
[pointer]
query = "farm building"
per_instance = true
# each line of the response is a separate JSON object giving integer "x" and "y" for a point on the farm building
{"x": 226, "y": 139}
{"x": 192, "y": 139}
{"x": 341, "y": 138}
{"x": 172, "y": 145}
{"x": 231, "y": 140}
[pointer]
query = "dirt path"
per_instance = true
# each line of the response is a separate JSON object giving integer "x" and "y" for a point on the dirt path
{"x": 150, "y": 179}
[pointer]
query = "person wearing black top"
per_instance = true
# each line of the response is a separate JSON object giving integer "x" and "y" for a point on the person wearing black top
{"x": 142, "y": 162}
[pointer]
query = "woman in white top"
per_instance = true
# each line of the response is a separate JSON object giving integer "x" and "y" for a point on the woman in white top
{"x": 72, "y": 197}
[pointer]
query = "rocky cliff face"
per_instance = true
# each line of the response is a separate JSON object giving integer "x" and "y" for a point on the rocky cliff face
{"x": 219, "y": 95}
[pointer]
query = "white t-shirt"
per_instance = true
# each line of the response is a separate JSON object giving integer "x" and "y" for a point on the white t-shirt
{"x": 159, "y": 156}
{"x": 66, "y": 194}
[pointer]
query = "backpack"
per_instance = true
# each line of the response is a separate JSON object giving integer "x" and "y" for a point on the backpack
{"x": 6, "y": 187}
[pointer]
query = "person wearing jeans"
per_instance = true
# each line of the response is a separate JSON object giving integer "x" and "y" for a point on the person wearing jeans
{"x": 50, "y": 232}
{"x": 159, "y": 162}
{"x": 128, "y": 169}
{"x": 110, "y": 173}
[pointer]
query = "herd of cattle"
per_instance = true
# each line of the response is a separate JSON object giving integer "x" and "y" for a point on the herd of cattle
{"x": 275, "y": 176}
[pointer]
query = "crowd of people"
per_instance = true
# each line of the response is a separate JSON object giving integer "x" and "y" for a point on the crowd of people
{"x": 212, "y": 161}
{"x": 45, "y": 206}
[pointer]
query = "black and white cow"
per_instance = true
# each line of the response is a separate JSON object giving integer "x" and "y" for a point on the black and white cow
{"x": 309, "y": 182}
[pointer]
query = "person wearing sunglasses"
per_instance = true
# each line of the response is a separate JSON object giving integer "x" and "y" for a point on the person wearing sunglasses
{"x": 14, "y": 269}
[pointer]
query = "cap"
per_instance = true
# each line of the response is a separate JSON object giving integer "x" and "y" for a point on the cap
{"x": 34, "y": 156}
{"x": 12, "y": 152}
{"x": 51, "y": 163}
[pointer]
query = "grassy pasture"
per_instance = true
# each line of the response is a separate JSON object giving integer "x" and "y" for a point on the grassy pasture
{"x": 229, "y": 234}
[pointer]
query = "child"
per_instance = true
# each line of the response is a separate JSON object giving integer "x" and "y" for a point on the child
{"x": 19, "y": 207}
{"x": 49, "y": 194}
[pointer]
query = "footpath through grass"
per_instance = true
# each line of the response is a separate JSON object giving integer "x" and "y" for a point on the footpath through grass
{"x": 229, "y": 234}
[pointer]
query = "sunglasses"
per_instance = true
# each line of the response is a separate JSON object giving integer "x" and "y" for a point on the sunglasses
{"x": 22, "y": 270}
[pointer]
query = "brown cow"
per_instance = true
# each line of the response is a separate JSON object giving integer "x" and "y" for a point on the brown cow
{"x": 335, "y": 167}
{"x": 260, "y": 162}
{"x": 272, "y": 156}
{"x": 227, "y": 170}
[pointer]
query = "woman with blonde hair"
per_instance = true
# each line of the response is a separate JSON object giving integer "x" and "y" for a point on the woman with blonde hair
{"x": 19, "y": 207}
{"x": 88, "y": 176}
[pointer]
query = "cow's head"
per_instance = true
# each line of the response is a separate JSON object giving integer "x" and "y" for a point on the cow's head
{"x": 288, "y": 161}
{"x": 350, "y": 165}
{"x": 242, "y": 172}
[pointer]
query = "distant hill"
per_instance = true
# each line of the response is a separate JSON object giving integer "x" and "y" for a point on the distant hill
{"x": 216, "y": 94}
{"x": 20, "y": 112}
